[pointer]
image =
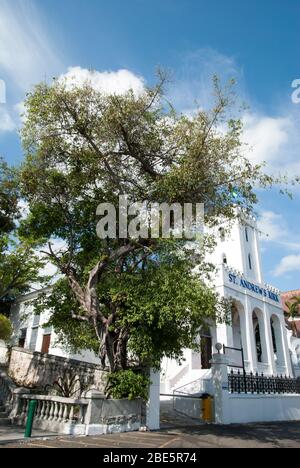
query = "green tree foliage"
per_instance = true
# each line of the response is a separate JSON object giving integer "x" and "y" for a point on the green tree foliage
{"x": 19, "y": 268}
{"x": 19, "y": 264}
{"x": 294, "y": 310}
{"x": 5, "y": 328}
{"x": 160, "y": 309}
{"x": 127, "y": 384}
{"x": 293, "y": 306}
{"x": 129, "y": 298}
{"x": 8, "y": 198}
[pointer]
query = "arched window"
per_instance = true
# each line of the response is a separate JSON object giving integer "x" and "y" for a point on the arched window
{"x": 224, "y": 259}
{"x": 247, "y": 234}
{"x": 222, "y": 234}
{"x": 206, "y": 347}
{"x": 250, "y": 261}
{"x": 257, "y": 337}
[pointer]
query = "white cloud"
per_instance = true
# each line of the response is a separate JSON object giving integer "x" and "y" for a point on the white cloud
{"x": 26, "y": 53}
{"x": 275, "y": 141}
{"x": 110, "y": 82}
{"x": 290, "y": 263}
{"x": 265, "y": 136}
{"x": 274, "y": 228}
{"x": 7, "y": 123}
{"x": 192, "y": 83}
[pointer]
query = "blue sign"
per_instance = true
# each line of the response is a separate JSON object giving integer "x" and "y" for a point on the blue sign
{"x": 253, "y": 287}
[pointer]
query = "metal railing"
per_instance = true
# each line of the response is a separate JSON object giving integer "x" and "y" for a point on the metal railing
{"x": 261, "y": 384}
{"x": 188, "y": 398}
{"x": 196, "y": 387}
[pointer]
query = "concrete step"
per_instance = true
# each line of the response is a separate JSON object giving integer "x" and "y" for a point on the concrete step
{"x": 5, "y": 422}
{"x": 3, "y": 414}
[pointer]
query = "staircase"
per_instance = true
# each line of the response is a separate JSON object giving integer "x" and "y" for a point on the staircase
{"x": 194, "y": 382}
{"x": 6, "y": 396}
{"x": 4, "y": 413}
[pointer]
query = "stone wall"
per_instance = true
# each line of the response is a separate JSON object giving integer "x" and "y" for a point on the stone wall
{"x": 35, "y": 370}
{"x": 109, "y": 416}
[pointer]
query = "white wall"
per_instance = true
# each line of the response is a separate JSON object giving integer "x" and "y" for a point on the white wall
{"x": 263, "y": 408}
{"x": 247, "y": 408}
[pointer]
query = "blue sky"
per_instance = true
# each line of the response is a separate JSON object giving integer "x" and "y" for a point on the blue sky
{"x": 255, "y": 41}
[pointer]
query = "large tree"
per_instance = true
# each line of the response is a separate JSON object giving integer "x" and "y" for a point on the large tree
{"x": 19, "y": 263}
{"x": 8, "y": 198}
{"x": 129, "y": 297}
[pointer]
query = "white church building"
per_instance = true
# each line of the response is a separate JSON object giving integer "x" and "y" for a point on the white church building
{"x": 257, "y": 324}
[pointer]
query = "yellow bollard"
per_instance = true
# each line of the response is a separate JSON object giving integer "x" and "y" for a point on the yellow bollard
{"x": 207, "y": 413}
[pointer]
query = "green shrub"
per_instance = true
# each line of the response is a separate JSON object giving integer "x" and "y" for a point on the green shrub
{"x": 127, "y": 384}
{"x": 5, "y": 328}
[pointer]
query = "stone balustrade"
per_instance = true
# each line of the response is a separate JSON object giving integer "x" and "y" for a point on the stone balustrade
{"x": 52, "y": 408}
{"x": 93, "y": 414}
{"x": 53, "y": 413}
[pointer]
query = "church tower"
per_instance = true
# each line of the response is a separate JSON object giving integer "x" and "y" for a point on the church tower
{"x": 239, "y": 249}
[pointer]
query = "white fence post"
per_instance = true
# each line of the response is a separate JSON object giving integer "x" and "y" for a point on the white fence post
{"x": 3, "y": 353}
{"x": 153, "y": 404}
{"x": 220, "y": 384}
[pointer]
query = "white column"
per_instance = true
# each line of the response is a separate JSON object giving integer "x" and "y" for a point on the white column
{"x": 220, "y": 384}
{"x": 258, "y": 255}
{"x": 153, "y": 403}
{"x": 224, "y": 334}
{"x": 285, "y": 346}
{"x": 243, "y": 325}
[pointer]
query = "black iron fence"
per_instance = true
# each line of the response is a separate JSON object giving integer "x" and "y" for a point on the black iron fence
{"x": 238, "y": 382}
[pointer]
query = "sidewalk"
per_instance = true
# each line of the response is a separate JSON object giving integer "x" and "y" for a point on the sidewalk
{"x": 12, "y": 434}
{"x": 268, "y": 435}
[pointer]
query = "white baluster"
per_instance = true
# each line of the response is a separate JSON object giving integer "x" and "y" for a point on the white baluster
{"x": 46, "y": 410}
{"x": 65, "y": 414}
{"x": 43, "y": 404}
{"x": 37, "y": 409}
{"x": 55, "y": 416}
{"x": 51, "y": 412}
{"x": 71, "y": 415}
{"x": 81, "y": 414}
{"x": 24, "y": 408}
